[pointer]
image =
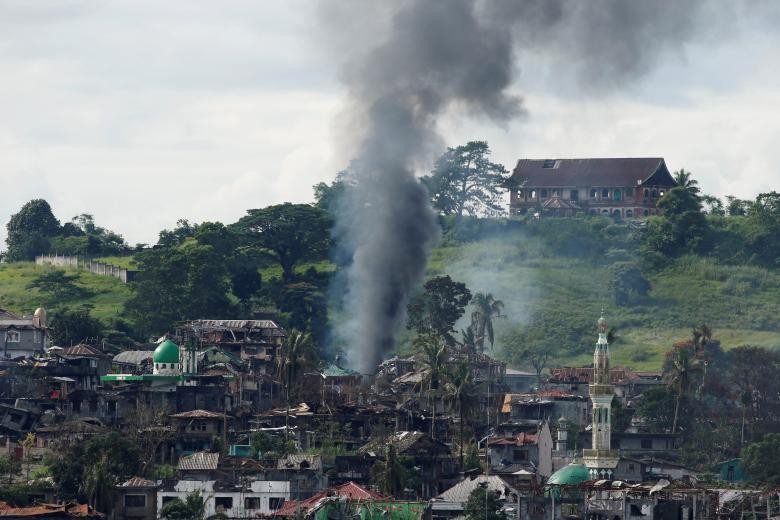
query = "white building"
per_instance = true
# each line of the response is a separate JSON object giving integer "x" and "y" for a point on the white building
{"x": 257, "y": 497}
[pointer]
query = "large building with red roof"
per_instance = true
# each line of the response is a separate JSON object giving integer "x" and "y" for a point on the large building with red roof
{"x": 616, "y": 187}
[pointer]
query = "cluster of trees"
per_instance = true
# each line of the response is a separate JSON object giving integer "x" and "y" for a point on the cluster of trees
{"x": 34, "y": 230}
{"x": 720, "y": 402}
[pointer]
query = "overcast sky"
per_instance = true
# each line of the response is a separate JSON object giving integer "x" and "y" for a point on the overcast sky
{"x": 145, "y": 112}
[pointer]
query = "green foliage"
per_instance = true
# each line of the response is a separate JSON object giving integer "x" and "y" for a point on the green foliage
{"x": 389, "y": 474}
{"x": 193, "y": 507}
{"x": 288, "y": 233}
{"x": 184, "y": 282}
{"x": 30, "y": 230}
{"x": 486, "y": 307}
{"x": 86, "y": 469}
{"x": 760, "y": 459}
{"x": 627, "y": 283}
{"x": 164, "y": 471}
{"x": 484, "y": 504}
{"x": 465, "y": 180}
{"x": 73, "y": 325}
{"x": 436, "y": 310}
{"x": 81, "y": 236}
{"x": 471, "y": 460}
{"x": 656, "y": 408}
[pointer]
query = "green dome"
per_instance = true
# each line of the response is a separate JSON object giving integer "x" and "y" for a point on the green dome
{"x": 166, "y": 352}
{"x": 570, "y": 474}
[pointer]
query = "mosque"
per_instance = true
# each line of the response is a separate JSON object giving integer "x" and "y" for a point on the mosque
{"x": 171, "y": 365}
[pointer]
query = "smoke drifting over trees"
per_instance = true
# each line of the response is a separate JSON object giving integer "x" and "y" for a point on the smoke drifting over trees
{"x": 405, "y": 66}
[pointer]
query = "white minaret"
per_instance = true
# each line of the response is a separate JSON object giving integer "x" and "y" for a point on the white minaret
{"x": 601, "y": 459}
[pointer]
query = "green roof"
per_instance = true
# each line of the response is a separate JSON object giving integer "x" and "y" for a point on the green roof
{"x": 569, "y": 475}
{"x": 166, "y": 352}
{"x": 333, "y": 370}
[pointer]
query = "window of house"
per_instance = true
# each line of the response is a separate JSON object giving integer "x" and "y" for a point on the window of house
{"x": 574, "y": 195}
{"x": 12, "y": 336}
{"x": 629, "y": 192}
{"x": 730, "y": 473}
{"x": 647, "y": 213}
{"x": 252, "y": 503}
{"x": 165, "y": 500}
{"x": 275, "y": 503}
{"x": 646, "y": 193}
{"x": 544, "y": 194}
{"x": 655, "y": 193}
{"x": 636, "y": 510}
{"x": 37, "y": 336}
{"x": 647, "y": 444}
{"x": 135, "y": 500}
{"x": 163, "y": 365}
{"x": 520, "y": 193}
{"x": 605, "y": 212}
{"x": 618, "y": 195}
{"x": 594, "y": 193}
{"x": 549, "y": 163}
{"x": 629, "y": 213}
{"x": 556, "y": 193}
{"x": 519, "y": 455}
{"x": 605, "y": 193}
{"x": 631, "y": 467}
{"x": 533, "y": 194}
{"x": 616, "y": 213}
{"x": 223, "y": 502}
{"x": 203, "y": 427}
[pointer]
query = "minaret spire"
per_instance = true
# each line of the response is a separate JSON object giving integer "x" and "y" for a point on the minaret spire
{"x": 601, "y": 459}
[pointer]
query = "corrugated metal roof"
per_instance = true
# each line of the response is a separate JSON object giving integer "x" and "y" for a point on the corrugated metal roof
{"x": 460, "y": 492}
{"x": 199, "y": 461}
{"x": 138, "y": 482}
{"x": 83, "y": 350}
{"x": 300, "y": 461}
{"x": 133, "y": 357}
{"x": 198, "y": 414}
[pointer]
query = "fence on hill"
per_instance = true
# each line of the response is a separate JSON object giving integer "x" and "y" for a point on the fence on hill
{"x": 79, "y": 262}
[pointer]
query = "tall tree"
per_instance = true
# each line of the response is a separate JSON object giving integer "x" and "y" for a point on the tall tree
{"x": 484, "y": 504}
{"x": 30, "y": 230}
{"x": 486, "y": 307}
{"x": 390, "y": 473}
{"x": 288, "y": 233}
{"x": 680, "y": 377}
{"x": 434, "y": 352}
{"x": 758, "y": 458}
{"x": 296, "y": 354}
{"x": 460, "y": 389}
{"x": 441, "y": 304}
{"x": 465, "y": 180}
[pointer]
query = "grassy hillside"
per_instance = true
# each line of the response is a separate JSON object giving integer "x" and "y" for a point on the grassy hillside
{"x": 544, "y": 273}
{"x": 109, "y": 293}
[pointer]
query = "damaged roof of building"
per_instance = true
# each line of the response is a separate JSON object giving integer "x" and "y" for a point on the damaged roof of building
{"x": 618, "y": 171}
{"x": 199, "y": 461}
{"x": 198, "y": 414}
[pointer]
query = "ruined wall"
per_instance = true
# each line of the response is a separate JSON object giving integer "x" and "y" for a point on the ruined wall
{"x": 77, "y": 262}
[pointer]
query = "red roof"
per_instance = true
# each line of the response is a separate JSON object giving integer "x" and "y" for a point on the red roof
{"x": 83, "y": 350}
{"x": 72, "y": 510}
{"x": 605, "y": 172}
{"x": 350, "y": 490}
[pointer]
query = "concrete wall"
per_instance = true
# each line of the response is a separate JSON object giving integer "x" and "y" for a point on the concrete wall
{"x": 77, "y": 262}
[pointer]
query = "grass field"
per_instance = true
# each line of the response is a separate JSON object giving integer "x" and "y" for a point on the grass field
{"x": 107, "y": 301}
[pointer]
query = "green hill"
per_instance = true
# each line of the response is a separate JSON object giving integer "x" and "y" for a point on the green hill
{"x": 557, "y": 273}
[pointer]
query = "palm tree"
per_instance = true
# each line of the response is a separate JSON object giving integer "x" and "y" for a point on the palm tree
{"x": 390, "y": 473}
{"x": 99, "y": 485}
{"x": 684, "y": 179}
{"x": 486, "y": 307}
{"x": 434, "y": 352}
{"x": 469, "y": 343}
{"x": 296, "y": 353}
{"x": 680, "y": 376}
{"x": 193, "y": 507}
{"x": 460, "y": 389}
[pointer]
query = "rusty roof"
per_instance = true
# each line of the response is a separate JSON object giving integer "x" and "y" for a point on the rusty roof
{"x": 70, "y": 510}
{"x": 601, "y": 172}
{"x": 138, "y": 482}
{"x": 83, "y": 350}
{"x": 521, "y": 439}
{"x": 349, "y": 490}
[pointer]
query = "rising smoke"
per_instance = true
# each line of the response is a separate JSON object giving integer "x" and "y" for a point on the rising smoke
{"x": 405, "y": 66}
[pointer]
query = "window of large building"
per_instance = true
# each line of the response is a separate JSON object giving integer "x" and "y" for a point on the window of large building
{"x": 519, "y": 455}
{"x": 549, "y": 163}
{"x": 616, "y": 213}
{"x": 223, "y": 502}
{"x": 647, "y": 213}
{"x": 647, "y": 444}
{"x": 252, "y": 503}
{"x": 275, "y": 503}
{"x": 629, "y": 213}
{"x": 618, "y": 195}
{"x": 544, "y": 194}
{"x": 646, "y": 193}
{"x": 556, "y": 192}
{"x": 605, "y": 193}
{"x": 135, "y": 500}
{"x": 594, "y": 193}
{"x": 574, "y": 195}
{"x": 629, "y": 192}
{"x": 655, "y": 193}
{"x": 12, "y": 336}
{"x": 533, "y": 194}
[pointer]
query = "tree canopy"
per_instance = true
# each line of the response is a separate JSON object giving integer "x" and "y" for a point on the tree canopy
{"x": 441, "y": 304}
{"x": 30, "y": 231}
{"x": 288, "y": 233}
{"x": 465, "y": 180}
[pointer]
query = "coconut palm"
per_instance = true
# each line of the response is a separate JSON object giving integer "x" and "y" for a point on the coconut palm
{"x": 433, "y": 352}
{"x": 390, "y": 473}
{"x": 680, "y": 375}
{"x": 296, "y": 353}
{"x": 460, "y": 390}
{"x": 469, "y": 342}
{"x": 98, "y": 484}
{"x": 486, "y": 307}
{"x": 193, "y": 507}
{"x": 684, "y": 179}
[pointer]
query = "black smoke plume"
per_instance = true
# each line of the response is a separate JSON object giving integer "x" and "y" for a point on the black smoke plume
{"x": 408, "y": 62}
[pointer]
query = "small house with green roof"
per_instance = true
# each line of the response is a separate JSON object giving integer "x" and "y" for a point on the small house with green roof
{"x": 340, "y": 385}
